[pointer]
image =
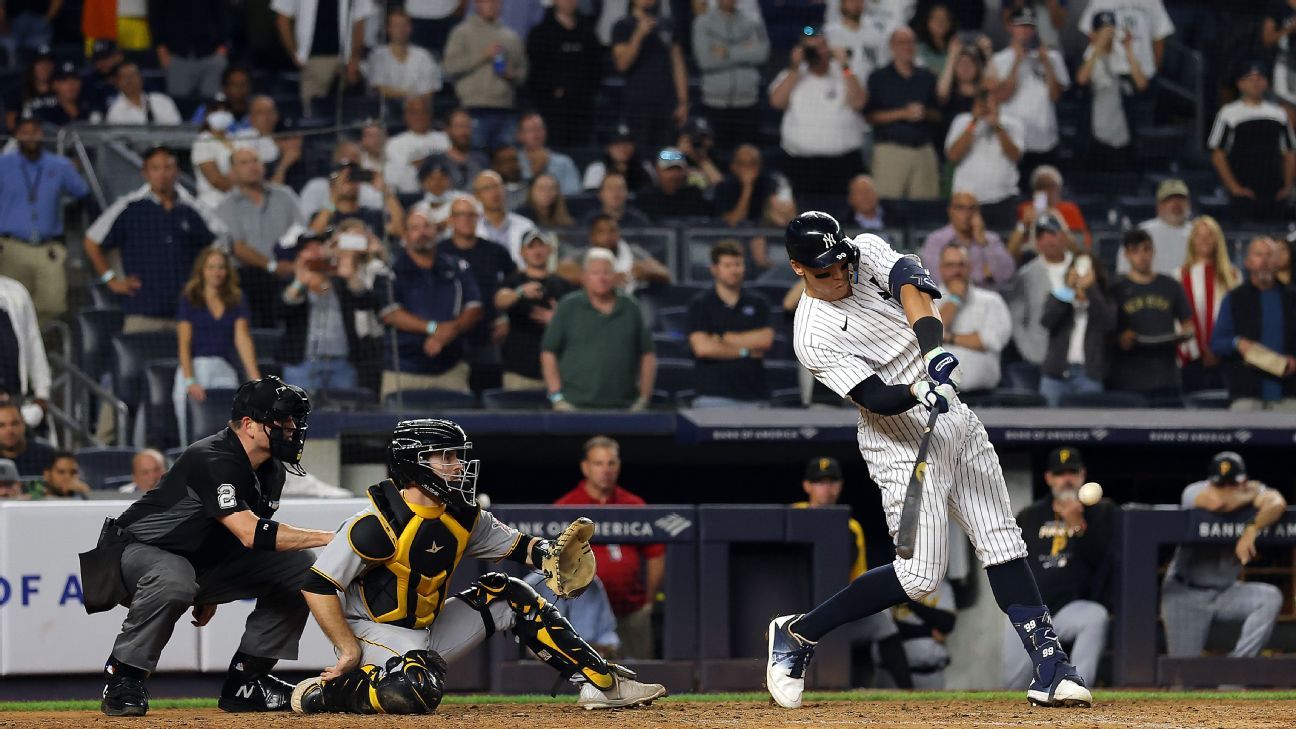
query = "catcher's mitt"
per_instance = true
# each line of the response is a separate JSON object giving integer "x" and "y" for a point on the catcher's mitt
{"x": 568, "y": 562}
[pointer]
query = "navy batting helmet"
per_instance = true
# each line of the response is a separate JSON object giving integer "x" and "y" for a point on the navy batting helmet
{"x": 815, "y": 240}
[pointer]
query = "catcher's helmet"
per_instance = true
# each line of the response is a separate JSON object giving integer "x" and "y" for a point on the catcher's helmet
{"x": 815, "y": 240}
{"x": 271, "y": 401}
{"x": 408, "y": 460}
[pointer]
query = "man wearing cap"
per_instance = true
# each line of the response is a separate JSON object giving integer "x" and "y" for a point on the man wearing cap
{"x": 66, "y": 104}
{"x": 1151, "y": 308}
{"x": 1110, "y": 120}
{"x": 1031, "y": 80}
{"x": 647, "y": 53}
{"x": 407, "y": 150}
{"x": 1259, "y": 314}
{"x": 730, "y": 49}
{"x": 1034, "y": 283}
{"x": 1069, "y": 551}
{"x": 1253, "y": 149}
{"x": 991, "y": 264}
{"x": 672, "y": 196}
{"x": 620, "y": 155}
{"x": 1202, "y": 583}
{"x": 821, "y": 133}
{"x": 96, "y": 81}
{"x": 32, "y": 185}
{"x": 10, "y": 482}
{"x": 822, "y": 484}
{"x": 528, "y": 298}
{"x": 729, "y": 332}
{"x": 36, "y": 84}
{"x": 206, "y": 536}
{"x": 1169, "y": 229}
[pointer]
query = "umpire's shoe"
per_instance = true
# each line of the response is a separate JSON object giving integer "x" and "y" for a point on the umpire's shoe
{"x": 789, "y": 655}
{"x": 255, "y": 693}
{"x": 123, "y": 695}
{"x": 625, "y": 691}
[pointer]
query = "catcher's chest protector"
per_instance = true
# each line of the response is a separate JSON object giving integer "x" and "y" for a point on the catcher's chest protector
{"x": 415, "y": 550}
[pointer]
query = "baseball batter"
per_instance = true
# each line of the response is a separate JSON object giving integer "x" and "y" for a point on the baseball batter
{"x": 867, "y": 327}
{"x": 393, "y": 628}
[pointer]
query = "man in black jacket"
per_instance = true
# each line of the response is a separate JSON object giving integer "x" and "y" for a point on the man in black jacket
{"x": 1068, "y": 545}
{"x": 566, "y": 59}
{"x": 1257, "y": 316}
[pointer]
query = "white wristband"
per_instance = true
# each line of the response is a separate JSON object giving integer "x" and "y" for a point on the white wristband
{"x": 107, "y": 276}
{"x": 272, "y": 266}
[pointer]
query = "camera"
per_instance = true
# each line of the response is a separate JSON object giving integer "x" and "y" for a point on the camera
{"x": 357, "y": 173}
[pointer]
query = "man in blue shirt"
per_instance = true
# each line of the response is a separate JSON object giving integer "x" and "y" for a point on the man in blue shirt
{"x": 1257, "y": 315}
{"x": 158, "y": 230}
{"x": 433, "y": 300}
{"x": 32, "y": 184}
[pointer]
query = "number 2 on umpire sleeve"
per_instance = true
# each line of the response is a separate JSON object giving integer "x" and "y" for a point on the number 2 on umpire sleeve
{"x": 225, "y": 496}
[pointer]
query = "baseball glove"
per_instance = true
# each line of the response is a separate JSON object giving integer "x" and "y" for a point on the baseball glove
{"x": 568, "y": 563}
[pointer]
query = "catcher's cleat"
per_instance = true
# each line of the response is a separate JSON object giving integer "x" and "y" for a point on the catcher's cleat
{"x": 308, "y": 696}
{"x": 789, "y": 656}
{"x": 1067, "y": 690}
{"x": 256, "y": 693}
{"x": 124, "y": 696}
{"x": 624, "y": 693}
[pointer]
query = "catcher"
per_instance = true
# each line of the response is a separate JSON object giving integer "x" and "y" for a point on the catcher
{"x": 393, "y": 628}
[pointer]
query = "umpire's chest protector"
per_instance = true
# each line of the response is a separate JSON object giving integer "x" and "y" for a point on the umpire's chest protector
{"x": 413, "y": 551}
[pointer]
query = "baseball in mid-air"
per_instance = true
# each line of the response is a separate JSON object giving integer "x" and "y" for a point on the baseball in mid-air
{"x": 1091, "y": 493}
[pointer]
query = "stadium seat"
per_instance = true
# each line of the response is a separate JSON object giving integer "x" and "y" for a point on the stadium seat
{"x": 783, "y": 375}
{"x": 159, "y": 413}
{"x": 672, "y": 346}
{"x": 674, "y": 375}
{"x": 786, "y": 398}
{"x": 672, "y": 320}
{"x": 431, "y": 399}
{"x": 173, "y": 454}
{"x": 132, "y": 353}
{"x": 95, "y": 328}
{"x": 98, "y": 464}
{"x": 1207, "y": 400}
{"x": 115, "y": 483}
{"x": 210, "y": 415}
{"x": 499, "y": 399}
{"x": 773, "y": 292}
{"x": 781, "y": 350}
{"x": 266, "y": 342}
{"x": 1137, "y": 207}
{"x": 1004, "y": 397}
{"x": 344, "y": 398}
{"x": 669, "y": 295}
{"x": 1112, "y": 400}
{"x": 1022, "y": 376}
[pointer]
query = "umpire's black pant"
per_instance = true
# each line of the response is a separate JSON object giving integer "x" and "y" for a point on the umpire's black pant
{"x": 165, "y": 586}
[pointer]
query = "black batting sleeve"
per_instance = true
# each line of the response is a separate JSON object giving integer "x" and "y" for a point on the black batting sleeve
{"x": 882, "y": 399}
{"x": 930, "y": 333}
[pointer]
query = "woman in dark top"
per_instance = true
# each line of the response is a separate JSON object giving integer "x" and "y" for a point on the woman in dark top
{"x": 965, "y": 75}
{"x": 935, "y": 29}
{"x": 35, "y": 84}
{"x": 528, "y": 297}
{"x": 1080, "y": 317}
{"x": 213, "y": 334}
{"x": 545, "y": 204}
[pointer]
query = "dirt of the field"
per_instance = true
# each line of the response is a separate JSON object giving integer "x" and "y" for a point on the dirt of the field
{"x": 1125, "y": 714}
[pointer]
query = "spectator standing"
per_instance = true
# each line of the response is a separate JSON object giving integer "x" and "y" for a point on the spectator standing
{"x": 1253, "y": 149}
{"x": 613, "y": 198}
{"x": 147, "y": 467}
{"x": 134, "y": 105}
{"x": 1279, "y": 23}
{"x": 36, "y": 83}
{"x": 67, "y": 104}
{"x": 863, "y": 31}
{"x": 991, "y": 265}
{"x": 325, "y": 39}
{"x": 1046, "y": 189}
{"x": 865, "y": 211}
{"x": 433, "y": 20}
{"x": 1151, "y": 310}
{"x": 212, "y": 331}
{"x": 488, "y": 64}
{"x": 964, "y": 77}
{"x": 821, "y": 134}
{"x": 1068, "y": 548}
{"x": 1202, "y": 584}
{"x": 30, "y": 456}
{"x": 465, "y": 162}
{"x": 936, "y": 34}
{"x": 432, "y": 302}
{"x": 545, "y": 204}
{"x": 528, "y": 298}
{"x": 729, "y": 332}
{"x": 258, "y": 214}
{"x": 61, "y": 479}
{"x": 633, "y": 574}
{"x": 1256, "y": 316}
{"x": 1079, "y": 320}
{"x": 597, "y": 352}
{"x": 673, "y": 197}
{"x": 97, "y": 80}
{"x": 1207, "y": 276}
{"x": 407, "y": 150}
{"x": 496, "y": 223}
{"x": 489, "y": 262}
{"x": 400, "y": 69}
{"x": 985, "y": 148}
{"x": 1169, "y": 229}
{"x": 33, "y": 183}
{"x": 158, "y": 230}
{"x": 647, "y": 53}
{"x": 565, "y": 59}
{"x": 29, "y": 25}
{"x": 1109, "y": 118}
{"x": 901, "y": 107}
{"x": 1148, "y": 25}
{"x": 191, "y": 45}
{"x": 24, "y": 368}
{"x": 740, "y": 198}
{"x": 1032, "y": 77}
{"x": 622, "y": 157}
{"x": 978, "y": 325}
{"x": 730, "y": 48}
{"x": 1033, "y": 285}
{"x": 537, "y": 159}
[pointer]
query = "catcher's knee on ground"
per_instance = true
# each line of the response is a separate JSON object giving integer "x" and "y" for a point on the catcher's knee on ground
{"x": 410, "y": 684}
{"x": 539, "y": 626}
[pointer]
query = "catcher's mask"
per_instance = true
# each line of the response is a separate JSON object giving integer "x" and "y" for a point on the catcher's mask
{"x": 418, "y": 454}
{"x": 272, "y": 402}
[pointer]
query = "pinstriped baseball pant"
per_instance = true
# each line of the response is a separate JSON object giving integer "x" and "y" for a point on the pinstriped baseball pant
{"x": 964, "y": 481}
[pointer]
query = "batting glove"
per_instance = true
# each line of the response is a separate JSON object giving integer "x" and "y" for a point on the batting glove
{"x": 943, "y": 367}
{"x": 933, "y": 395}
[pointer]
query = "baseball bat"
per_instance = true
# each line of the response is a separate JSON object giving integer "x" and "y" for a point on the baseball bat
{"x": 908, "y": 530}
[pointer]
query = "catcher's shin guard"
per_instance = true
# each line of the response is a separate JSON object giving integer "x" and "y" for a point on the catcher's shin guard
{"x": 540, "y": 627}
{"x": 410, "y": 684}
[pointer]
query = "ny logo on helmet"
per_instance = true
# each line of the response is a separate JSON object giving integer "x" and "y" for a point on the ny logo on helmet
{"x": 829, "y": 240}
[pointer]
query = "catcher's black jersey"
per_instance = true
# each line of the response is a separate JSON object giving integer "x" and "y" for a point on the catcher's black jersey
{"x": 397, "y": 559}
{"x": 212, "y": 479}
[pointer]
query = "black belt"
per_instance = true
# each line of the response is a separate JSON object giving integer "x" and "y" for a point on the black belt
{"x": 1184, "y": 581}
{"x": 24, "y": 239}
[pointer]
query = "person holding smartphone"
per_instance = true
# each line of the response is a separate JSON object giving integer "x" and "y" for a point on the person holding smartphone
{"x": 1032, "y": 77}
{"x": 1080, "y": 318}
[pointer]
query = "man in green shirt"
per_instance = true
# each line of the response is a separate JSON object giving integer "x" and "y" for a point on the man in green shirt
{"x": 597, "y": 347}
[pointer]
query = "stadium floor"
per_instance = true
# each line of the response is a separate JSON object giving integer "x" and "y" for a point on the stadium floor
{"x": 1123, "y": 710}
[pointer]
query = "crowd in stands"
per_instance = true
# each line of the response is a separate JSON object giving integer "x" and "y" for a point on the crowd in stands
{"x": 489, "y": 228}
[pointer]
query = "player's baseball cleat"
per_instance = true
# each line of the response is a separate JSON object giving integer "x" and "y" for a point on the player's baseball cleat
{"x": 124, "y": 696}
{"x": 308, "y": 696}
{"x": 1067, "y": 690}
{"x": 258, "y": 693}
{"x": 789, "y": 655}
{"x": 626, "y": 692}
